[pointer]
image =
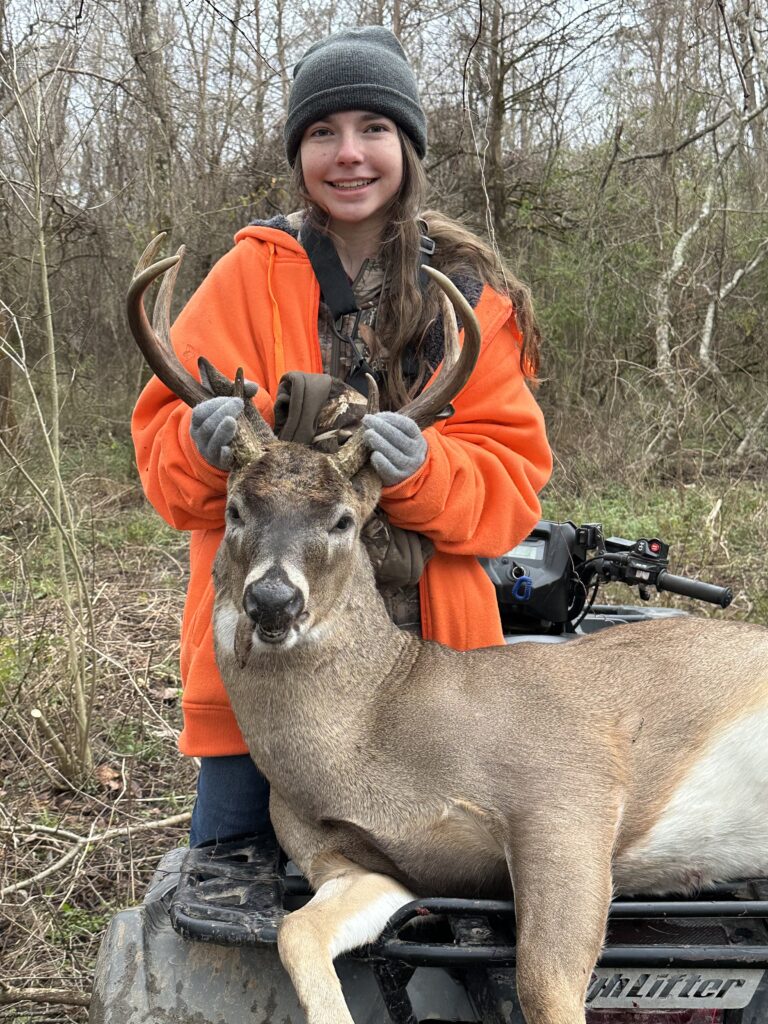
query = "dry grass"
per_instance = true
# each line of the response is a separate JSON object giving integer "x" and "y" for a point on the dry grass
{"x": 106, "y": 835}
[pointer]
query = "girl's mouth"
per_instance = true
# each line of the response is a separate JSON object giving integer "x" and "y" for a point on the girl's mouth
{"x": 354, "y": 185}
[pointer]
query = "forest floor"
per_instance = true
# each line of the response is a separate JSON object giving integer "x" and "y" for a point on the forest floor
{"x": 73, "y": 856}
{"x": 135, "y": 805}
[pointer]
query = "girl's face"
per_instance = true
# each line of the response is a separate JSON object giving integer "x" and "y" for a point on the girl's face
{"x": 352, "y": 164}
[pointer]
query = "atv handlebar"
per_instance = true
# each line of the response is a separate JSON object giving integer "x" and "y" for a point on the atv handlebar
{"x": 643, "y": 563}
{"x": 549, "y": 582}
{"x": 721, "y": 596}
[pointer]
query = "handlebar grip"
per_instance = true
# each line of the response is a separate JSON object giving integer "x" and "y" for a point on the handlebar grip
{"x": 694, "y": 588}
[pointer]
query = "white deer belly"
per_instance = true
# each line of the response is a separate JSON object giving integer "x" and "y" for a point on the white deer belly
{"x": 715, "y": 827}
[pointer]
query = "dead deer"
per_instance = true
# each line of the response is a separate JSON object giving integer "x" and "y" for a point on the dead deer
{"x": 635, "y": 759}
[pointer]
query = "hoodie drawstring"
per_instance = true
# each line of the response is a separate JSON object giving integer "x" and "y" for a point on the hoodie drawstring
{"x": 277, "y": 326}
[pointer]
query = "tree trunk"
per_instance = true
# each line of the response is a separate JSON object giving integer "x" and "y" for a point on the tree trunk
{"x": 148, "y": 54}
{"x": 497, "y": 184}
{"x": 8, "y": 422}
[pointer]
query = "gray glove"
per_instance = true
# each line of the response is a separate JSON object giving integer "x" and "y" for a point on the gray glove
{"x": 214, "y": 425}
{"x": 399, "y": 447}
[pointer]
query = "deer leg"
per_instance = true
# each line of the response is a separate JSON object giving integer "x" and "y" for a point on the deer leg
{"x": 349, "y": 909}
{"x": 562, "y": 883}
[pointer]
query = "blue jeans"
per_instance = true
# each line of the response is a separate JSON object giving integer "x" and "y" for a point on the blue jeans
{"x": 232, "y": 801}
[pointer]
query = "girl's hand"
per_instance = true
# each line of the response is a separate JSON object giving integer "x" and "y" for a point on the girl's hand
{"x": 399, "y": 448}
{"x": 214, "y": 424}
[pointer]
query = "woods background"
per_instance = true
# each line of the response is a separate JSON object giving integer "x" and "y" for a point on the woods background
{"x": 616, "y": 153}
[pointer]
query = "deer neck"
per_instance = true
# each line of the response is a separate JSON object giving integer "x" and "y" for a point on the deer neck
{"x": 325, "y": 686}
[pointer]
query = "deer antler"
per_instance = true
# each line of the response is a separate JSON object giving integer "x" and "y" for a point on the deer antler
{"x": 457, "y": 367}
{"x": 154, "y": 339}
{"x": 155, "y": 343}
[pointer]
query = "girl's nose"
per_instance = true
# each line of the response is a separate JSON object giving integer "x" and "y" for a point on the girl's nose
{"x": 349, "y": 150}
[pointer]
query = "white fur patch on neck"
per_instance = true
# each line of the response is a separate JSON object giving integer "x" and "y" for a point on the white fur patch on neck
{"x": 225, "y": 618}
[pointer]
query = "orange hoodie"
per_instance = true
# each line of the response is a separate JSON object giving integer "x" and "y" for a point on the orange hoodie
{"x": 474, "y": 496}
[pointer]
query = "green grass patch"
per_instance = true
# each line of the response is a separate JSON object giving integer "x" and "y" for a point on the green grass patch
{"x": 46, "y": 819}
{"x": 140, "y": 526}
{"x": 9, "y": 665}
{"x": 101, "y": 456}
{"x": 671, "y": 513}
{"x": 73, "y": 924}
{"x": 129, "y": 739}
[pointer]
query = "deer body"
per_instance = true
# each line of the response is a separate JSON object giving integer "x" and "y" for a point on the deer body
{"x": 420, "y": 755}
{"x": 634, "y": 759}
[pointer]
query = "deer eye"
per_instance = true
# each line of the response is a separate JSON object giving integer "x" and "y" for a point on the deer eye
{"x": 343, "y": 523}
{"x": 233, "y": 513}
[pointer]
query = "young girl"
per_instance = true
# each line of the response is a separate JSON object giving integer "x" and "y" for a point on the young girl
{"x": 355, "y": 136}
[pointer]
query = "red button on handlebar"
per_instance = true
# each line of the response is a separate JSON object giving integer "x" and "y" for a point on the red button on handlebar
{"x": 655, "y": 546}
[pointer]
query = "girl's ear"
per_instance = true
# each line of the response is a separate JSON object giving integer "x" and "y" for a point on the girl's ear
{"x": 367, "y": 486}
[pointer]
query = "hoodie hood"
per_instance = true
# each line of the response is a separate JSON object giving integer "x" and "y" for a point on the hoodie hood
{"x": 281, "y": 231}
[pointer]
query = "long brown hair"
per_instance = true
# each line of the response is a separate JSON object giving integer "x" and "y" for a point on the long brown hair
{"x": 405, "y": 311}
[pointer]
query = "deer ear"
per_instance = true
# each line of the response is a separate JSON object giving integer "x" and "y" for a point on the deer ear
{"x": 205, "y": 377}
{"x": 367, "y": 486}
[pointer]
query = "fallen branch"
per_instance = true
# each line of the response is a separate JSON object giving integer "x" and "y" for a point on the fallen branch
{"x": 50, "y": 870}
{"x": 40, "y": 830}
{"x": 60, "y": 996}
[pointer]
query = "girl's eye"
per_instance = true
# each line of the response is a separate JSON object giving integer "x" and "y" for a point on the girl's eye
{"x": 375, "y": 128}
{"x": 319, "y": 132}
{"x": 344, "y": 522}
{"x": 232, "y": 513}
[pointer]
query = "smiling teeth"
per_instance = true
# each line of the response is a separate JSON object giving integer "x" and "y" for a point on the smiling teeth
{"x": 353, "y": 184}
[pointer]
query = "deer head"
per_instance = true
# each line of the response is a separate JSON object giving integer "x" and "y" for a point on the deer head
{"x": 293, "y": 515}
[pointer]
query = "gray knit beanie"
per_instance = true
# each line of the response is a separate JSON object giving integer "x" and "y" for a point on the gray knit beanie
{"x": 358, "y": 69}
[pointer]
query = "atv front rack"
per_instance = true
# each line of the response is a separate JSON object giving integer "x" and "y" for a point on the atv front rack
{"x": 236, "y": 894}
{"x": 478, "y": 944}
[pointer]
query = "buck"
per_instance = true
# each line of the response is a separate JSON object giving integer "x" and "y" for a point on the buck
{"x": 632, "y": 760}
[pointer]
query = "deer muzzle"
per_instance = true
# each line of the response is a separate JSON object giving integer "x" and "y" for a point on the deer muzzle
{"x": 274, "y": 605}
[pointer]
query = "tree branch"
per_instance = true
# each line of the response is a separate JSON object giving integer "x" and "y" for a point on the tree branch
{"x": 669, "y": 150}
{"x": 736, "y": 62}
{"x": 58, "y": 996}
{"x": 713, "y": 126}
{"x": 119, "y": 84}
{"x": 612, "y": 160}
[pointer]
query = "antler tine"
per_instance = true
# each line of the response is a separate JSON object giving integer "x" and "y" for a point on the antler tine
{"x": 455, "y": 371}
{"x": 450, "y": 332}
{"x": 352, "y": 456}
{"x": 161, "y": 314}
{"x": 148, "y": 256}
{"x": 155, "y": 344}
{"x": 253, "y": 430}
{"x": 458, "y": 364}
{"x": 217, "y": 383}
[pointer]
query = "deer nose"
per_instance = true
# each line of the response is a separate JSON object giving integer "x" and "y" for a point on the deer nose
{"x": 273, "y": 603}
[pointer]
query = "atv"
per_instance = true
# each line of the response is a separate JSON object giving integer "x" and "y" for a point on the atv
{"x": 202, "y": 947}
